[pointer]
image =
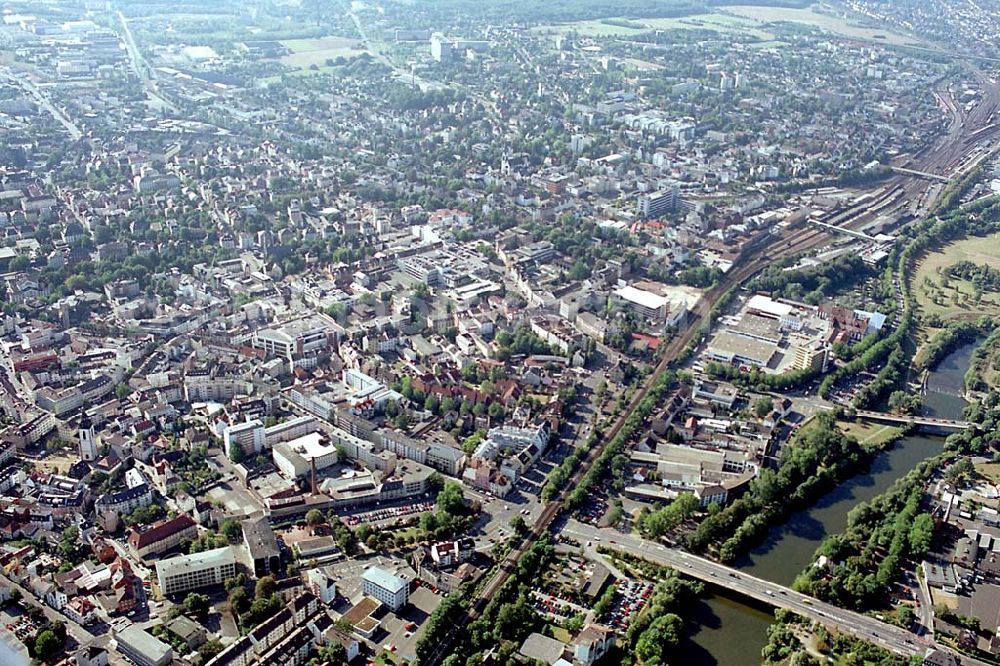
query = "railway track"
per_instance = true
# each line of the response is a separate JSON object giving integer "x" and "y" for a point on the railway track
{"x": 948, "y": 152}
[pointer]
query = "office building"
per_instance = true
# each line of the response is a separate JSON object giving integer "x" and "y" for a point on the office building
{"x": 162, "y": 536}
{"x": 385, "y": 587}
{"x": 143, "y": 648}
{"x": 191, "y": 572}
{"x": 262, "y": 546}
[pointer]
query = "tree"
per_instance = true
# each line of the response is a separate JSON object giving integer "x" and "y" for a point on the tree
{"x": 333, "y": 654}
{"x": 209, "y": 650}
{"x": 239, "y": 601}
{"x": 451, "y": 500}
{"x": 47, "y": 644}
{"x": 231, "y": 530}
{"x": 314, "y": 518}
{"x": 265, "y": 587}
{"x": 239, "y": 580}
{"x": 960, "y": 470}
{"x": 921, "y": 533}
{"x": 659, "y": 639}
{"x": 236, "y": 453}
{"x": 763, "y": 406}
{"x": 197, "y": 604}
{"x": 518, "y": 525}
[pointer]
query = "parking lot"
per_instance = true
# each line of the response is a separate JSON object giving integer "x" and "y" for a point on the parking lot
{"x": 630, "y": 597}
{"x": 404, "y": 630}
{"x": 595, "y": 508}
{"x": 388, "y": 515}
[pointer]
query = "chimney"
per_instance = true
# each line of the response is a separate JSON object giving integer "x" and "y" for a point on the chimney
{"x": 313, "y": 480}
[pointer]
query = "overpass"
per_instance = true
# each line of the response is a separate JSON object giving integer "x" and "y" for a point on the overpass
{"x": 888, "y": 636}
{"x": 943, "y": 425}
{"x": 860, "y": 235}
{"x": 921, "y": 174}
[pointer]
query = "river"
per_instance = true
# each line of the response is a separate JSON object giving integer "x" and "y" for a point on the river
{"x": 732, "y": 633}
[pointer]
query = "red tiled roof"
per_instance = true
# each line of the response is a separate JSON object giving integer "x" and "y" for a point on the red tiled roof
{"x": 160, "y": 531}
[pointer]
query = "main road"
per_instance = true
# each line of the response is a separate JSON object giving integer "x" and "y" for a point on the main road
{"x": 870, "y": 629}
{"x": 40, "y": 97}
{"x": 140, "y": 67}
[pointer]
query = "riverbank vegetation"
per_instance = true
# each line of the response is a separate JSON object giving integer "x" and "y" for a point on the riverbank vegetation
{"x": 984, "y": 367}
{"x": 785, "y": 645}
{"x": 819, "y": 456}
{"x": 954, "y": 335}
{"x": 881, "y": 536}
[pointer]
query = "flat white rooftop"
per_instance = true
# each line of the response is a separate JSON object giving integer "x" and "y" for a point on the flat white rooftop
{"x": 646, "y": 299}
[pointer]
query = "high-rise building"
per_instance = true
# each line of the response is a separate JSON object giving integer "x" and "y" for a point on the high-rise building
{"x": 249, "y": 436}
{"x": 442, "y": 48}
{"x": 385, "y": 587}
{"x": 658, "y": 203}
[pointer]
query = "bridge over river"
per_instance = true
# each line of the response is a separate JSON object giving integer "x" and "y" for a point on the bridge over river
{"x": 888, "y": 636}
{"x": 929, "y": 422}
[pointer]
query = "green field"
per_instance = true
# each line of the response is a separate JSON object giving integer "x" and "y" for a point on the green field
{"x": 746, "y": 20}
{"x": 869, "y": 433}
{"x": 308, "y": 52}
{"x": 772, "y": 44}
{"x": 721, "y": 23}
{"x": 947, "y": 297}
{"x": 642, "y": 65}
{"x": 834, "y": 24}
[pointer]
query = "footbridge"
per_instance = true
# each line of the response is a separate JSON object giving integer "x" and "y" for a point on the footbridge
{"x": 922, "y": 174}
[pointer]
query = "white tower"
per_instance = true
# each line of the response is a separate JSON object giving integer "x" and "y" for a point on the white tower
{"x": 88, "y": 440}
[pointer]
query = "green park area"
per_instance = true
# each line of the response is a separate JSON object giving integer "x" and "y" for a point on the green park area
{"x": 875, "y": 434}
{"x": 307, "y": 53}
{"x": 749, "y": 20}
{"x": 950, "y": 298}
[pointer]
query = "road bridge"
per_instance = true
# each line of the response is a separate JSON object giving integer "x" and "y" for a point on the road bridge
{"x": 888, "y": 636}
{"x": 945, "y": 425}
{"x": 921, "y": 174}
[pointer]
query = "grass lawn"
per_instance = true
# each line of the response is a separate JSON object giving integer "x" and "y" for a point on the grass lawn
{"x": 560, "y": 634}
{"x": 954, "y": 301}
{"x": 869, "y": 433}
{"x": 990, "y": 471}
{"x": 772, "y": 44}
{"x": 715, "y": 22}
{"x": 642, "y": 65}
{"x": 308, "y": 52}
